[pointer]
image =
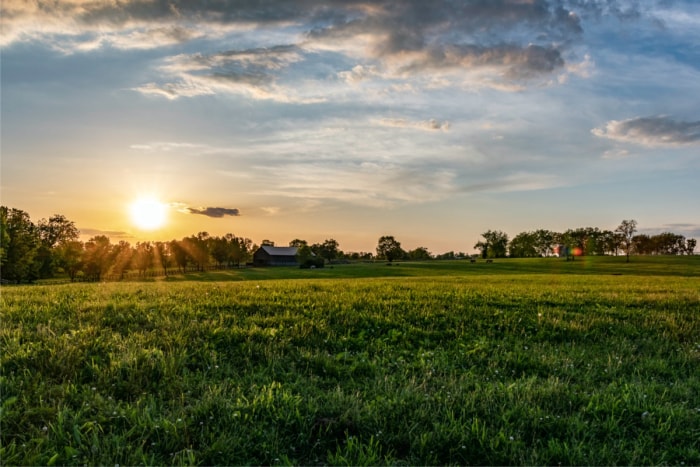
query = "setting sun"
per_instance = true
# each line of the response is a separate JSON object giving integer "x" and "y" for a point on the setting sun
{"x": 147, "y": 213}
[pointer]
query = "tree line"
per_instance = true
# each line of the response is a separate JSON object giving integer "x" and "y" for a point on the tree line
{"x": 51, "y": 247}
{"x": 584, "y": 241}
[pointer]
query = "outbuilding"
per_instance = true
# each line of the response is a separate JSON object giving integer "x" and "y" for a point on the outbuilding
{"x": 268, "y": 255}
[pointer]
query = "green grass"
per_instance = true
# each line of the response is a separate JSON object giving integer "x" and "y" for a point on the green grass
{"x": 515, "y": 362}
{"x": 683, "y": 266}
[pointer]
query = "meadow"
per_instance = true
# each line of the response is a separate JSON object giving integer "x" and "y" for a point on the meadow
{"x": 591, "y": 362}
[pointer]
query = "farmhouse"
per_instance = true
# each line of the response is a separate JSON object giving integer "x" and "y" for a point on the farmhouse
{"x": 275, "y": 256}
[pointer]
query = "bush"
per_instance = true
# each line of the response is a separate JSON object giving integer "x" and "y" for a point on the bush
{"x": 309, "y": 263}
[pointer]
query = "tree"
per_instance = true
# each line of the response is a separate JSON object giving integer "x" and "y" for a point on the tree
{"x": 220, "y": 249}
{"x": 98, "y": 256}
{"x": 544, "y": 242}
{"x": 162, "y": 255}
{"x": 690, "y": 245}
{"x": 626, "y": 229}
{"x": 53, "y": 232}
{"x": 20, "y": 245}
{"x": 329, "y": 249}
{"x": 524, "y": 245}
{"x": 70, "y": 257}
{"x": 143, "y": 257}
{"x": 180, "y": 254}
{"x": 389, "y": 248}
{"x": 495, "y": 244}
{"x": 297, "y": 242}
{"x": 122, "y": 258}
{"x": 420, "y": 254}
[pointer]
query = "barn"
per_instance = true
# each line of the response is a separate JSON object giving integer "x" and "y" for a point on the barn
{"x": 275, "y": 256}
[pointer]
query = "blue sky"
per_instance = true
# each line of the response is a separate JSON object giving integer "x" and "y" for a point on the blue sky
{"x": 429, "y": 121}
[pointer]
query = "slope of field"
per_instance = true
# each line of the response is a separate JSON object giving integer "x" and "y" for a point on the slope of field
{"x": 488, "y": 366}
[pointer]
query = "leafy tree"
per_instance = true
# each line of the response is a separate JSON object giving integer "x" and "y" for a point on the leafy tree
{"x": 98, "y": 256}
{"x": 690, "y": 245}
{"x": 197, "y": 249}
{"x": 389, "y": 248}
{"x": 494, "y": 245}
{"x": 524, "y": 245}
{"x": 51, "y": 233}
{"x": 243, "y": 250}
{"x": 297, "y": 242}
{"x": 20, "y": 245}
{"x": 122, "y": 258}
{"x": 420, "y": 254}
{"x": 143, "y": 257}
{"x": 70, "y": 257}
{"x": 626, "y": 229}
{"x": 329, "y": 249}
{"x": 162, "y": 256}
{"x": 611, "y": 242}
{"x": 307, "y": 258}
{"x": 180, "y": 255}
{"x": 220, "y": 249}
{"x": 544, "y": 242}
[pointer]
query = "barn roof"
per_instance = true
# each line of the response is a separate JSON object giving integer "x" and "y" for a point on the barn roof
{"x": 280, "y": 250}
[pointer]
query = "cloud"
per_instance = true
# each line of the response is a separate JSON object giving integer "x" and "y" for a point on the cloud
{"x": 429, "y": 125}
{"x": 109, "y": 233}
{"x": 507, "y": 40}
{"x": 250, "y": 72}
{"x": 651, "y": 131}
{"x": 686, "y": 229}
{"x": 213, "y": 212}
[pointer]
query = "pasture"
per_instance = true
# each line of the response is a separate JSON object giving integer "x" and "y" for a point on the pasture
{"x": 593, "y": 362}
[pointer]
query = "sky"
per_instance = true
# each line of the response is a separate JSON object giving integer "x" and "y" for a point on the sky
{"x": 429, "y": 121}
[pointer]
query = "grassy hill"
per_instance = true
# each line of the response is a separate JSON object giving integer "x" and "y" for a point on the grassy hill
{"x": 594, "y": 362}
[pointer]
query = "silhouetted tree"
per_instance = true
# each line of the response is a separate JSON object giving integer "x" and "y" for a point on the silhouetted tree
{"x": 389, "y": 248}
{"x": 495, "y": 244}
{"x": 329, "y": 249}
{"x": 626, "y": 229}
{"x": 420, "y": 254}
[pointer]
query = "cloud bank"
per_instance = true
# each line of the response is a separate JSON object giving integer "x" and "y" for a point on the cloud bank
{"x": 504, "y": 44}
{"x": 651, "y": 131}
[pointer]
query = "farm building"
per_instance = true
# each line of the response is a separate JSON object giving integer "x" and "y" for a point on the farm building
{"x": 275, "y": 256}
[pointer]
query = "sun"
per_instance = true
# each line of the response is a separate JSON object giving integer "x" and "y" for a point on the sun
{"x": 147, "y": 213}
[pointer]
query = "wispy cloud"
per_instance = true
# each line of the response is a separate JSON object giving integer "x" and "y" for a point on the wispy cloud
{"x": 90, "y": 232}
{"x": 429, "y": 125}
{"x": 651, "y": 131}
{"x": 215, "y": 212}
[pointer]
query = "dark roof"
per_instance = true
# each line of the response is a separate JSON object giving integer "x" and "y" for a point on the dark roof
{"x": 279, "y": 250}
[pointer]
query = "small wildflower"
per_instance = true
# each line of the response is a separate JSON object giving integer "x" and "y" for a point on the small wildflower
{"x": 46, "y": 428}
{"x": 511, "y": 438}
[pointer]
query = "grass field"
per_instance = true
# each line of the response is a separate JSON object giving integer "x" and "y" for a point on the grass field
{"x": 595, "y": 362}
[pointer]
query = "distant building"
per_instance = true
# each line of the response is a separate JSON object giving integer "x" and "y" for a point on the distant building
{"x": 268, "y": 255}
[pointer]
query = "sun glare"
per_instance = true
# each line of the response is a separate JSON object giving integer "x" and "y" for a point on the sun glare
{"x": 147, "y": 213}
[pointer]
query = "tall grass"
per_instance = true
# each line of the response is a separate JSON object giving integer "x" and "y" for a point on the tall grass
{"x": 472, "y": 369}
